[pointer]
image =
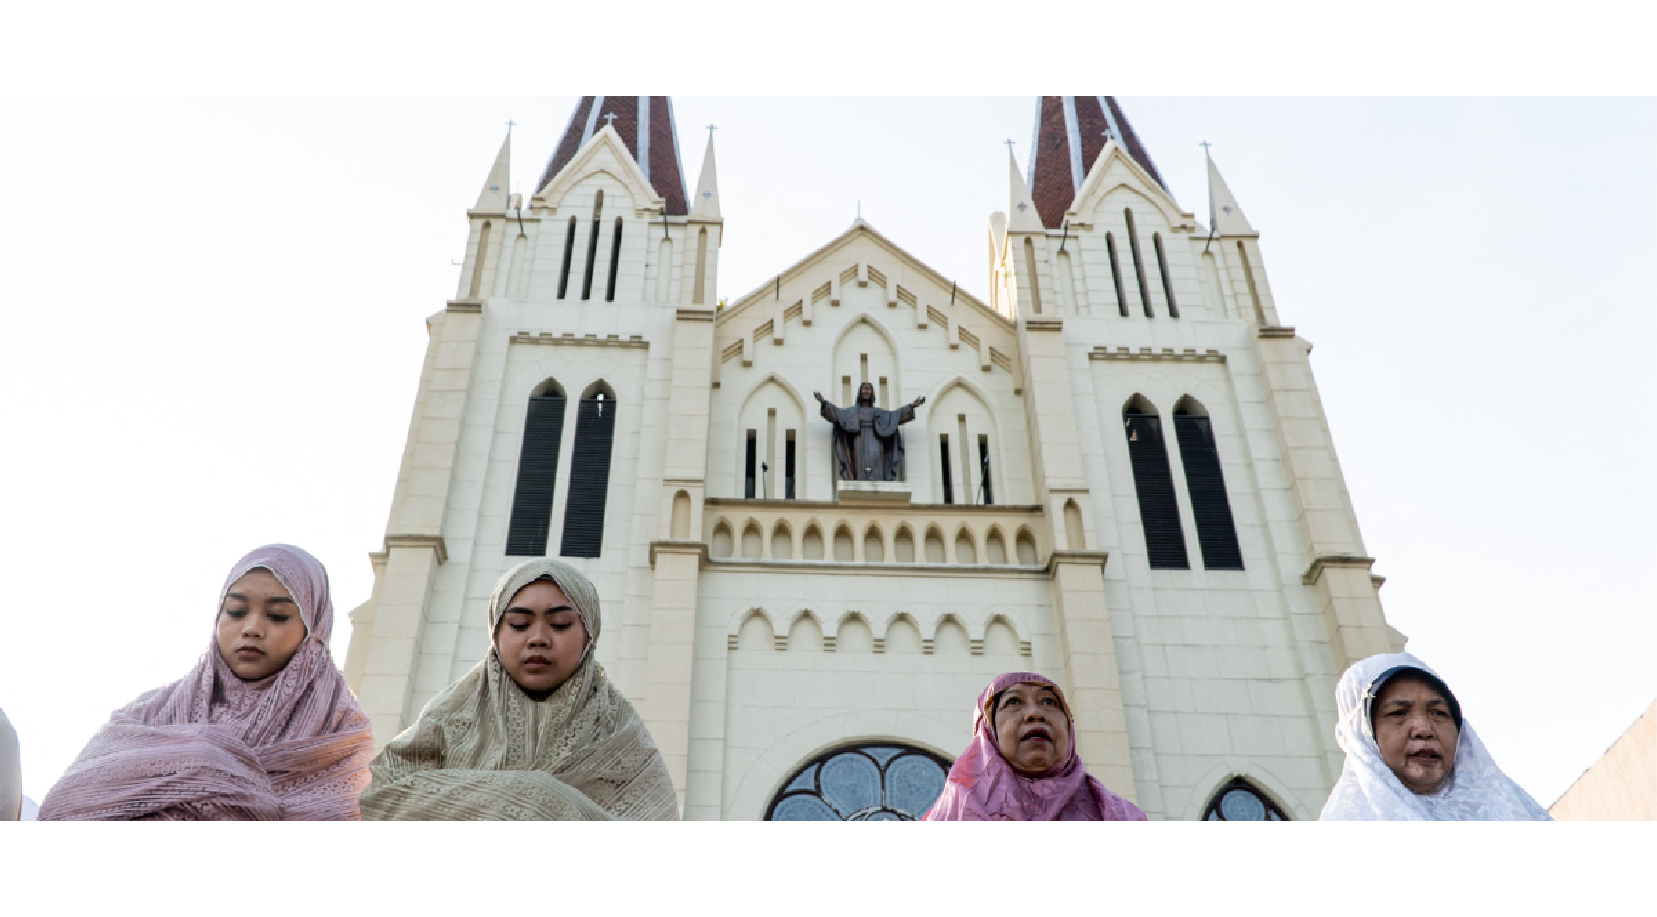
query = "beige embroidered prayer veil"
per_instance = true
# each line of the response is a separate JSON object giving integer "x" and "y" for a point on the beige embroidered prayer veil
{"x": 483, "y": 750}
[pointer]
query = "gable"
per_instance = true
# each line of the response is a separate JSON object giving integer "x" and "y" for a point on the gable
{"x": 604, "y": 154}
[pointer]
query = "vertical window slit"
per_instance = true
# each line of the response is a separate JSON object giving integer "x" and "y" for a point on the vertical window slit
{"x": 1115, "y": 275}
{"x": 615, "y": 261}
{"x": 595, "y": 428}
{"x": 1138, "y": 263}
{"x": 984, "y": 468}
{"x": 748, "y": 457}
{"x": 569, "y": 250}
{"x": 1154, "y": 484}
{"x": 943, "y": 457}
{"x": 1162, "y": 265}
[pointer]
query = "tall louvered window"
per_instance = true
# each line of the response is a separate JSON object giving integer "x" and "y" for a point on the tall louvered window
{"x": 1115, "y": 272}
{"x": 569, "y": 250}
{"x": 984, "y": 469}
{"x": 1216, "y": 534}
{"x": 789, "y": 466}
{"x": 1138, "y": 263}
{"x": 749, "y": 460}
{"x": 595, "y": 427}
{"x": 1154, "y": 483}
{"x": 537, "y": 474}
{"x": 592, "y": 248}
{"x": 1162, "y": 266}
{"x": 943, "y": 457}
{"x": 615, "y": 261}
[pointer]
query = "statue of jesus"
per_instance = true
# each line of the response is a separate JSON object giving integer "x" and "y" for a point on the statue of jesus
{"x": 867, "y": 443}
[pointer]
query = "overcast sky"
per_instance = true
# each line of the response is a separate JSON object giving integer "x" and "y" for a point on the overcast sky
{"x": 215, "y": 327}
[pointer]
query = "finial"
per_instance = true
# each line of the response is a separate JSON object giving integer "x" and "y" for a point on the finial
{"x": 1021, "y": 206}
{"x": 711, "y": 129}
{"x": 509, "y": 126}
{"x": 610, "y": 119}
{"x": 1009, "y": 144}
{"x": 1205, "y": 145}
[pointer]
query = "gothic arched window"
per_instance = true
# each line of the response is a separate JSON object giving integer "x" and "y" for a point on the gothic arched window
{"x": 1153, "y": 482}
{"x": 1240, "y": 801}
{"x": 595, "y": 429}
{"x": 874, "y": 782}
{"x": 537, "y": 474}
{"x": 1216, "y": 532}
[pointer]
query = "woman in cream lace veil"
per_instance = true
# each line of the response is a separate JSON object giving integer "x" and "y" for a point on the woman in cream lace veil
{"x": 486, "y": 749}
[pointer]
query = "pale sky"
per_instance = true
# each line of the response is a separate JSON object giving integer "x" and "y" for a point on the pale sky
{"x": 215, "y": 327}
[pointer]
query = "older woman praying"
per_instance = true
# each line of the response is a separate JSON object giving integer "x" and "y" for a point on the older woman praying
{"x": 1410, "y": 754}
{"x": 1022, "y": 764}
{"x": 535, "y": 731}
{"x": 263, "y": 728}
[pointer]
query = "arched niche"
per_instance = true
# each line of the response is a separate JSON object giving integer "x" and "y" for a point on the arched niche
{"x": 1025, "y": 546}
{"x": 935, "y": 553}
{"x": 805, "y": 634}
{"x": 753, "y": 541}
{"x": 903, "y": 545}
{"x": 1075, "y": 534}
{"x": 811, "y": 545}
{"x": 774, "y": 412}
{"x": 902, "y": 635}
{"x": 874, "y": 547}
{"x": 721, "y": 545}
{"x": 966, "y": 551}
{"x": 843, "y": 550}
{"x": 995, "y": 547}
{"x": 962, "y": 432}
{"x": 864, "y": 352}
{"x": 756, "y": 632}
{"x": 854, "y": 635}
{"x": 950, "y": 639}
{"x": 782, "y": 542}
{"x": 679, "y": 530}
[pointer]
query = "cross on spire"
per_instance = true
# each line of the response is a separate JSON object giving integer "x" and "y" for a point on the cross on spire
{"x": 1009, "y": 144}
{"x": 1205, "y": 145}
{"x": 610, "y": 119}
{"x": 510, "y": 125}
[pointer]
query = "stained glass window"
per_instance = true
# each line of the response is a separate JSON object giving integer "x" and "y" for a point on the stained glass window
{"x": 1240, "y": 801}
{"x": 884, "y": 782}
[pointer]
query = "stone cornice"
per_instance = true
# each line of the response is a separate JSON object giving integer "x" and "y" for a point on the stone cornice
{"x": 590, "y": 340}
{"x": 695, "y": 315}
{"x": 1277, "y": 332}
{"x": 952, "y": 509}
{"x": 465, "y": 305}
{"x": 871, "y": 568}
{"x": 698, "y": 549}
{"x": 1044, "y": 324}
{"x": 1189, "y": 354}
{"x": 1083, "y": 558}
{"x": 1315, "y": 571}
{"x": 435, "y": 542}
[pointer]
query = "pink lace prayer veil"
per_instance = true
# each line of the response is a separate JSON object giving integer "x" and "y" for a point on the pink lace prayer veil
{"x": 982, "y": 786}
{"x": 293, "y": 745}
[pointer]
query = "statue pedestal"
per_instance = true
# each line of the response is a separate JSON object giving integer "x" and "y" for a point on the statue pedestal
{"x": 883, "y": 492}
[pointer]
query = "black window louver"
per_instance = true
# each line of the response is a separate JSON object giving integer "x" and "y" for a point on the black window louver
{"x": 595, "y": 427}
{"x": 537, "y": 476}
{"x": 1154, "y": 483}
{"x": 1216, "y": 533}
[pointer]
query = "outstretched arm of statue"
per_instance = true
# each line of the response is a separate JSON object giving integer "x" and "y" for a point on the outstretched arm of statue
{"x": 818, "y": 396}
{"x": 918, "y": 402}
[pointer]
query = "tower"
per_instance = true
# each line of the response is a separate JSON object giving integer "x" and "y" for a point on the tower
{"x": 1121, "y": 477}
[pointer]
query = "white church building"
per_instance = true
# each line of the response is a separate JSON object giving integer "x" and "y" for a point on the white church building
{"x": 1122, "y": 478}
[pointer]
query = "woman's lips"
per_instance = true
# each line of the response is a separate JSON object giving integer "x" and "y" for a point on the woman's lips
{"x": 1039, "y": 732}
{"x": 537, "y": 663}
{"x": 249, "y": 652}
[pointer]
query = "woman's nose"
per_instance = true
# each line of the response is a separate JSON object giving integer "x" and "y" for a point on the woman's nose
{"x": 538, "y": 637}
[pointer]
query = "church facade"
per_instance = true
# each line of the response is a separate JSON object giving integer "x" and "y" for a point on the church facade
{"x": 1120, "y": 477}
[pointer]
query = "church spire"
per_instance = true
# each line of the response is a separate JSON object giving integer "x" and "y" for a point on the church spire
{"x": 1070, "y": 133}
{"x": 646, "y": 126}
{"x": 494, "y": 194}
{"x": 1225, "y": 218}
{"x": 706, "y": 204}
{"x": 1021, "y": 209}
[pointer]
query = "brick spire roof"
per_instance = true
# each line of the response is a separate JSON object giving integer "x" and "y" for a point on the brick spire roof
{"x": 657, "y": 141}
{"x": 1070, "y": 132}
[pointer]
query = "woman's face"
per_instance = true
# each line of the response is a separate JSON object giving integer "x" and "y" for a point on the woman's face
{"x": 540, "y": 638}
{"x": 259, "y": 627}
{"x": 1031, "y": 729}
{"x": 1416, "y": 733}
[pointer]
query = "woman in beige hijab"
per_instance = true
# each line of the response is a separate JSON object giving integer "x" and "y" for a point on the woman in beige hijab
{"x": 535, "y": 731}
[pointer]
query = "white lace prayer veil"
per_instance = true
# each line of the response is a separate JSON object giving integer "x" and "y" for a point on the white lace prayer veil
{"x": 1476, "y": 789}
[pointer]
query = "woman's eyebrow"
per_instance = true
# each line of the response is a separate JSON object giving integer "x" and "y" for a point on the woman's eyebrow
{"x": 526, "y": 611}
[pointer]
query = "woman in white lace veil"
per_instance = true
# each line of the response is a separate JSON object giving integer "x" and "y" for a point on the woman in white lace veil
{"x": 1475, "y": 789}
{"x": 551, "y": 739}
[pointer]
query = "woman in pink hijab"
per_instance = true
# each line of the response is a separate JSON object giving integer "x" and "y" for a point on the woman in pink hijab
{"x": 263, "y": 728}
{"x": 1022, "y": 763}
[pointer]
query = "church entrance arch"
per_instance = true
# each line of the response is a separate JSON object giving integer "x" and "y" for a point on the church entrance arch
{"x": 870, "y": 781}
